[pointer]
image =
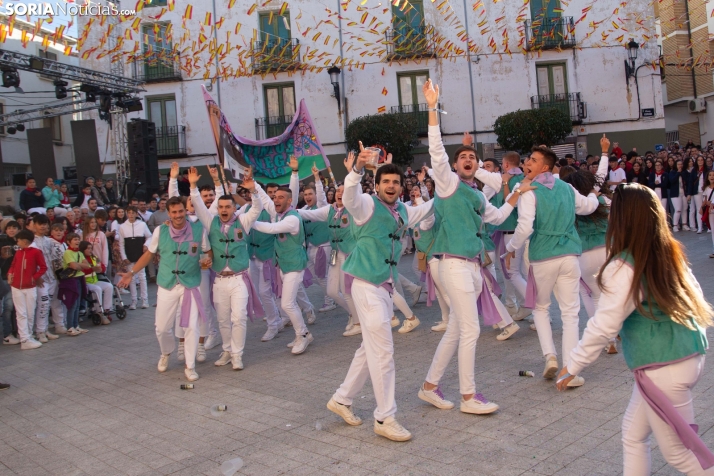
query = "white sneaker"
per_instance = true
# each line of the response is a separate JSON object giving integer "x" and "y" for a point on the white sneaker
{"x": 409, "y": 325}
{"x": 60, "y": 330}
{"x": 435, "y": 397}
{"x": 354, "y": 331}
{"x": 508, "y": 331}
{"x": 224, "y": 359}
{"x": 327, "y": 307}
{"x": 30, "y": 344}
{"x": 42, "y": 337}
{"x": 181, "y": 355}
{"x": 392, "y": 430}
{"x": 675, "y": 229}
{"x": 395, "y": 321}
{"x": 302, "y": 343}
{"x": 145, "y": 305}
{"x": 72, "y": 332}
{"x": 51, "y": 336}
{"x": 201, "y": 353}
{"x": 132, "y": 306}
{"x": 286, "y": 322}
{"x": 212, "y": 340}
{"x": 551, "y": 367}
{"x": 522, "y": 313}
{"x": 478, "y": 405}
{"x": 350, "y": 323}
{"x": 190, "y": 374}
{"x": 237, "y": 362}
{"x": 311, "y": 316}
{"x": 686, "y": 228}
{"x": 80, "y": 330}
{"x": 578, "y": 381}
{"x": 292, "y": 343}
{"x": 345, "y": 412}
{"x": 269, "y": 335}
{"x": 10, "y": 340}
{"x": 440, "y": 327}
{"x": 163, "y": 363}
{"x": 416, "y": 295}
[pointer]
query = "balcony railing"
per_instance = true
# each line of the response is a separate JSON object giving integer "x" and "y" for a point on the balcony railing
{"x": 171, "y": 141}
{"x": 159, "y": 66}
{"x": 569, "y": 103}
{"x": 405, "y": 42}
{"x": 274, "y": 54}
{"x": 547, "y": 33}
{"x": 272, "y": 126}
{"x": 420, "y": 112}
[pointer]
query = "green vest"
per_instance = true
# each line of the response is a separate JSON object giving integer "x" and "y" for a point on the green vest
{"x": 179, "y": 261}
{"x": 554, "y": 231}
{"x": 316, "y": 232}
{"x": 423, "y": 239}
{"x": 262, "y": 245}
{"x": 229, "y": 249}
{"x": 648, "y": 341}
{"x": 341, "y": 237}
{"x": 592, "y": 233}
{"x": 499, "y": 199}
{"x": 460, "y": 226}
{"x": 377, "y": 249}
{"x": 290, "y": 250}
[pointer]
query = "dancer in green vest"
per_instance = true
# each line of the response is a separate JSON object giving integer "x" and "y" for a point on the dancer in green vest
{"x": 553, "y": 252}
{"x": 380, "y": 221}
{"x": 653, "y": 301}
{"x": 180, "y": 244}
{"x": 291, "y": 260}
{"x": 234, "y": 295}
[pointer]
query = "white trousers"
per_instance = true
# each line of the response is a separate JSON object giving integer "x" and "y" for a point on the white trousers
{"x": 230, "y": 296}
{"x": 311, "y": 254}
{"x": 463, "y": 282}
{"x": 25, "y": 301}
{"x": 303, "y": 301}
{"x": 695, "y": 218}
{"x": 506, "y": 319}
{"x": 400, "y": 302}
{"x": 140, "y": 279}
{"x": 441, "y": 295}
{"x": 676, "y": 381}
{"x": 516, "y": 285}
{"x": 210, "y": 325}
{"x": 560, "y": 276}
{"x": 42, "y": 308}
{"x": 265, "y": 291}
{"x": 59, "y": 313}
{"x": 292, "y": 282}
{"x": 104, "y": 292}
{"x": 375, "y": 357}
{"x": 168, "y": 307}
{"x": 336, "y": 284}
{"x": 679, "y": 203}
{"x": 590, "y": 263}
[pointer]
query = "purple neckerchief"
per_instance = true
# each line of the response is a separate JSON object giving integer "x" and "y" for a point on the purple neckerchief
{"x": 349, "y": 279}
{"x": 190, "y": 294}
{"x": 531, "y": 290}
{"x": 586, "y": 287}
{"x": 338, "y": 211}
{"x": 546, "y": 179}
{"x": 321, "y": 262}
{"x": 500, "y": 243}
{"x": 470, "y": 184}
{"x": 486, "y": 303}
{"x": 226, "y": 225}
{"x": 182, "y": 235}
{"x": 515, "y": 171}
{"x": 664, "y": 409}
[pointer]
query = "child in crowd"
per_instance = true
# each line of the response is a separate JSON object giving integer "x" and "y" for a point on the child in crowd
{"x": 102, "y": 289}
{"x": 24, "y": 276}
{"x": 73, "y": 288}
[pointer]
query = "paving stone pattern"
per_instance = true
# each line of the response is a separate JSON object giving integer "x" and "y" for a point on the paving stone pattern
{"x": 96, "y": 405}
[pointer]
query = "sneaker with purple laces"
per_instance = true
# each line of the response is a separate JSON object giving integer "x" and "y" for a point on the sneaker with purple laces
{"x": 435, "y": 397}
{"x": 478, "y": 405}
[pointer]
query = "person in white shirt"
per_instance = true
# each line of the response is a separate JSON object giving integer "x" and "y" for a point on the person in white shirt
{"x": 144, "y": 212}
{"x": 134, "y": 240}
{"x": 617, "y": 175}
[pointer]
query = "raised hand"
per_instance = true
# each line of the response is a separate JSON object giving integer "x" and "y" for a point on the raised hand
{"x": 294, "y": 163}
{"x": 315, "y": 171}
{"x": 388, "y": 159}
{"x": 213, "y": 172}
{"x": 604, "y": 144}
{"x": 431, "y": 93}
{"x": 349, "y": 161}
{"x": 174, "y": 170}
{"x": 421, "y": 175}
{"x": 363, "y": 158}
{"x": 467, "y": 140}
{"x": 193, "y": 176}
{"x": 248, "y": 182}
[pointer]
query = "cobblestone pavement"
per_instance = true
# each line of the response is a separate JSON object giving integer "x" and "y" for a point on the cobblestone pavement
{"x": 96, "y": 405}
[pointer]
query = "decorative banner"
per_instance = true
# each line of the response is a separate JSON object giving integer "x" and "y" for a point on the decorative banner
{"x": 270, "y": 158}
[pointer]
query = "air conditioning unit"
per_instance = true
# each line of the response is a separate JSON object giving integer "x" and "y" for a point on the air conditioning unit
{"x": 697, "y": 105}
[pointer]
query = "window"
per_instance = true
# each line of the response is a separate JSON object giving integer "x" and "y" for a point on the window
{"x": 161, "y": 111}
{"x": 274, "y": 26}
{"x": 408, "y": 15}
{"x": 55, "y": 125}
{"x": 545, "y": 9}
{"x": 279, "y": 107}
{"x": 50, "y": 56}
{"x": 551, "y": 79}
{"x": 159, "y": 64}
{"x": 410, "y": 88}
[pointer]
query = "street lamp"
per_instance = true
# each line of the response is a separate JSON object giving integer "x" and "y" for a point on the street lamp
{"x": 632, "y": 48}
{"x": 334, "y": 73}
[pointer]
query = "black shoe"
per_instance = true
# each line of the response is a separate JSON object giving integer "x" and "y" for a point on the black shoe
{"x": 4, "y": 386}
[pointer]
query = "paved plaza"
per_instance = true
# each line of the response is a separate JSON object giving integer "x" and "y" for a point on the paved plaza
{"x": 96, "y": 405}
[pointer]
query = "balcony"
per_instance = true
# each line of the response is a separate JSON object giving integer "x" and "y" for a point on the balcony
{"x": 273, "y": 126}
{"x": 419, "y": 112}
{"x": 406, "y": 42}
{"x": 547, "y": 33}
{"x": 171, "y": 141}
{"x": 569, "y": 103}
{"x": 274, "y": 54}
{"x": 159, "y": 66}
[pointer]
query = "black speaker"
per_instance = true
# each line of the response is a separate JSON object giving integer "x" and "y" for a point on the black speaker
{"x": 143, "y": 159}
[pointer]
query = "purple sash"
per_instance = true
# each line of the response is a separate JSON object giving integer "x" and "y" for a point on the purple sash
{"x": 586, "y": 287}
{"x": 489, "y": 311}
{"x": 188, "y": 295}
{"x": 320, "y": 262}
{"x": 531, "y": 290}
{"x": 255, "y": 307}
{"x": 486, "y": 274}
{"x": 663, "y": 407}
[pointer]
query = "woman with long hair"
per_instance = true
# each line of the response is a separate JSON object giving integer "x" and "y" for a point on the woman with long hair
{"x": 670, "y": 164}
{"x": 709, "y": 202}
{"x": 677, "y": 196}
{"x": 659, "y": 182}
{"x": 649, "y": 166}
{"x": 637, "y": 174}
{"x": 330, "y": 195}
{"x": 653, "y": 301}
{"x": 697, "y": 182}
{"x": 96, "y": 237}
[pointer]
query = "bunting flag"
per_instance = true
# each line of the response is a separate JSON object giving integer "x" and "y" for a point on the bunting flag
{"x": 269, "y": 158}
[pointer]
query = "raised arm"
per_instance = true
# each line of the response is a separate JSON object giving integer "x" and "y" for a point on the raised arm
{"x": 446, "y": 182}
{"x": 173, "y": 180}
{"x": 359, "y": 205}
{"x": 604, "y": 159}
{"x": 295, "y": 179}
{"x": 203, "y": 214}
{"x": 319, "y": 188}
{"x": 247, "y": 220}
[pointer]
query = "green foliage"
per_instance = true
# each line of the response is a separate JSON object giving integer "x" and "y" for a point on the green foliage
{"x": 521, "y": 130}
{"x": 397, "y": 133}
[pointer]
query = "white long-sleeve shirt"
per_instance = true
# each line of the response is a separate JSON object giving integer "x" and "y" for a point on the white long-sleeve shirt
{"x": 319, "y": 190}
{"x": 174, "y": 192}
{"x": 290, "y": 224}
{"x": 492, "y": 182}
{"x": 527, "y": 214}
{"x": 614, "y": 307}
{"x": 205, "y": 216}
{"x": 133, "y": 230}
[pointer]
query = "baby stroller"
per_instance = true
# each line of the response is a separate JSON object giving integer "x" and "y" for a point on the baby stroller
{"x": 94, "y": 306}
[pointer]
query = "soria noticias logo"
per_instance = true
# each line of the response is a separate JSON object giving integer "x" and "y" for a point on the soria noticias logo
{"x": 62, "y": 8}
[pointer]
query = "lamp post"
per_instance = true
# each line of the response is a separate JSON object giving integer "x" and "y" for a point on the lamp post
{"x": 334, "y": 73}
{"x": 632, "y": 48}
